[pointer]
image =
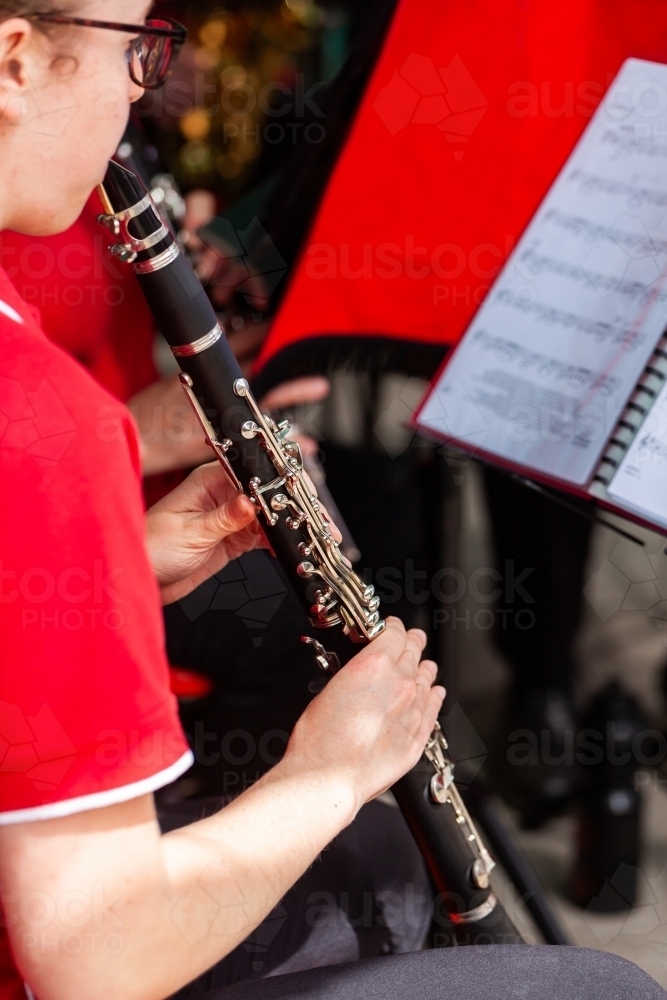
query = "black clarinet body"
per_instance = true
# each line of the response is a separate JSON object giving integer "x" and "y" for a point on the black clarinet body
{"x": 342, "y": 610}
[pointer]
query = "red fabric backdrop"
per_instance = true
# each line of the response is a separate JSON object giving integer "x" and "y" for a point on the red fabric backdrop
{"x": 471, "y": 112}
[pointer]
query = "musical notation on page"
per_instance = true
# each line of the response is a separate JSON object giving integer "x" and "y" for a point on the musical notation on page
{"x": 640, "y": 481}
{"x": 554, "y": 352}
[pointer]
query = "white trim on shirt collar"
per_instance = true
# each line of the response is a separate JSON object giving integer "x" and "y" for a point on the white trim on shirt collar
{"x": 10, "y": 313}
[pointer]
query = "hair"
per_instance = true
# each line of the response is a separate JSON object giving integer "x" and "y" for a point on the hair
{"x": 28, "y": 8}
{"x": 25, "y": 8}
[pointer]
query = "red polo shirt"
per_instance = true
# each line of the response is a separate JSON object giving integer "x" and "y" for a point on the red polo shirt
{"x": 86, "y": 716}
{"x": 89, "y": 302}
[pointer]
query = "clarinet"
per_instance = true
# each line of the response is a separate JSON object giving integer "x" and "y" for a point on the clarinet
{"x": 263, "y": 462}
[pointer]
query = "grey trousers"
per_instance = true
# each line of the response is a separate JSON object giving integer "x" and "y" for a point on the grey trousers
{"x": 368, "y": 894}
{"x": 492, "y": 972}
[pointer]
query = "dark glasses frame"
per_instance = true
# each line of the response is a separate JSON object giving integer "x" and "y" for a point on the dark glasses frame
{"x": 176, "y": 32}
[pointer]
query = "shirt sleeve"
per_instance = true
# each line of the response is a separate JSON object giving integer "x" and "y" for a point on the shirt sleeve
{"x": 86, "y": 715}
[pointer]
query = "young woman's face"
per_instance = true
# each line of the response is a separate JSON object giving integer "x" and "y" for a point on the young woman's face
{"x": 64, "y": 116}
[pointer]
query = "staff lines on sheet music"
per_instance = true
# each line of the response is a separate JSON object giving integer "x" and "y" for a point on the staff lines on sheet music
{"x": 515, "y": 400}
{"x": 628, "y": 143}
{"x": 522, "y": 396}
{"x": 632, "y": 417}
{"x": 603, "y": 332}
{"x": 594, "y": 232}
{"x": 650, "y": 444}
{"x": 634, "y": 291}
{"x": 544, "y": 366}
{"x": 637, "y": 196}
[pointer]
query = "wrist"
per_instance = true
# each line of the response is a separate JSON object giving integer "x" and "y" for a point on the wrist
{"x": 334, "y": 787}
{"x": 154, "y": 548}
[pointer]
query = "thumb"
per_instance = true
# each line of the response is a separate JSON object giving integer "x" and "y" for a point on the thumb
{"x": 227, "y": 519}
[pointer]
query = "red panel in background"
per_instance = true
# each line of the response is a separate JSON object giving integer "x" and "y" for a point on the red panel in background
{"x": 471, "y": 112}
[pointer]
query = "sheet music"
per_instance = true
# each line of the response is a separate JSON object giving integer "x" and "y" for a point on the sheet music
{"x": 555, "y": 350}
{"x": 640, "y": 481}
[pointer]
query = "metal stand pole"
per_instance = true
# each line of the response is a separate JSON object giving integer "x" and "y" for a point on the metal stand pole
{"x": 499, "y": 839}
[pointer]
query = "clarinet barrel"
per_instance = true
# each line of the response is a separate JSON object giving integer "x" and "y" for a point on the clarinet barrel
{"x": 342, "y": 610}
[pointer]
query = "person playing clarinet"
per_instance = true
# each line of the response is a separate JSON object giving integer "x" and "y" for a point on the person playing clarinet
{"x": 96, "y": 902}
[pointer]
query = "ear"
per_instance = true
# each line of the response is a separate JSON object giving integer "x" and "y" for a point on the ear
{"x": 16, "y": 34}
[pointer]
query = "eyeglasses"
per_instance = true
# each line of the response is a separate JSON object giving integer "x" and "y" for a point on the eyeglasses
{"x": 150, "y": 55}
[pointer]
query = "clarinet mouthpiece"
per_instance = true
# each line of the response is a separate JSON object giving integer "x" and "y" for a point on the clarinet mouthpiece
{"x": 142, "y": 238}
{"x": 122, "y": 188}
